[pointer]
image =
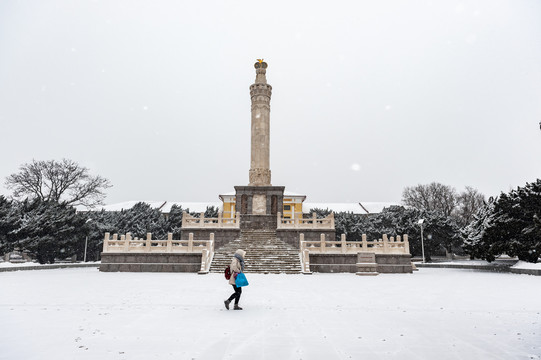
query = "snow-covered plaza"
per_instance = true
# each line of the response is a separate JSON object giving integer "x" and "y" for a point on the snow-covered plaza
{"x": 431, "y": 314}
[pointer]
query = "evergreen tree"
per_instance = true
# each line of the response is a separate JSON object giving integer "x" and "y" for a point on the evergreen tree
{"x": 441, "y": 234}
{"x": 49, "y": 230}
{"x": 140, "y": 220}
{"x": 10, "y": 219}
{"x": 212, "y": 212}
{"x": 98, "y": 223}
{"x": 174, "y": 221}
{"x": 508, "y": 225}
{"x": 474, "y": 232}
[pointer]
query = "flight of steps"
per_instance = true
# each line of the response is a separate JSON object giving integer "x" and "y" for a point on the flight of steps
{"x": 264, "y": 254}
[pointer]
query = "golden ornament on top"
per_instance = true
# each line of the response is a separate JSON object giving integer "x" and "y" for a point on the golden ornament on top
{"x": 260, "y": 64}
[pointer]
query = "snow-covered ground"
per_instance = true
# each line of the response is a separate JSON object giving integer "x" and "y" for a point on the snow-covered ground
{"x": 526, "y": 265}
{"x": 431, "y": 314}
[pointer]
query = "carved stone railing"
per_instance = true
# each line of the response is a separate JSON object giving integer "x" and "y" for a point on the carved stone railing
{"x": 385, "y": 245}
{"x": 127, "y": 244}
{"x": 382, "y": 246}
{"x": 189, "y": 221}
{"x": 309, "y": 223}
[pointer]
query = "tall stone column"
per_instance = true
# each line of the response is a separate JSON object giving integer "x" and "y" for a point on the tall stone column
{"x": 260, "y": 93}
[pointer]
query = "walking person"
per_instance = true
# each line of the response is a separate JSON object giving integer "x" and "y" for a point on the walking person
{"x": 236, "y": 267}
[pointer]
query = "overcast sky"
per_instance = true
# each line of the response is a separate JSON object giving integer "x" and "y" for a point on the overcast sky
{"x": 368, "y": 96}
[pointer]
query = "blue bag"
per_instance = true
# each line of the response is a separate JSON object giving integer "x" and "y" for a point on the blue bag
{"x": 240, "y": 280}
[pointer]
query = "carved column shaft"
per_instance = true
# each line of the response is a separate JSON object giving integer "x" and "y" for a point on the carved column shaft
{"x": 260, "y": 93}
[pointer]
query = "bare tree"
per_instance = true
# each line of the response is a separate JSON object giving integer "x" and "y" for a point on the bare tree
{"x": 445, "y": 199}
{"x": 471, "y": 200}
{"x": 431, "y": 197}
{"x": 63, "y": 182}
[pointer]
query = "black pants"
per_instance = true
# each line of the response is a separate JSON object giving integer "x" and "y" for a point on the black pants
{"x": 236, "y": 294}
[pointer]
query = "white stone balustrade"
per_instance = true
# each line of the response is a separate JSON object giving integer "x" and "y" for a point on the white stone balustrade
{"x": 128, "y": 245}
{"x": 384, "y": 245}
{"x": 302, "y": 223}
{"x": 201, "y": 222}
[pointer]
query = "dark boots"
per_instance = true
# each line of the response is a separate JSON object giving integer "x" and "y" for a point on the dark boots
{"x": 236, "y": 307}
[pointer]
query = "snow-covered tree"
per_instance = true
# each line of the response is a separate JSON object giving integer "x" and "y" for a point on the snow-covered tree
{"x": 49, "y": 230}
{"x": 473, "y": 233}
{"x": 98, "y": 223}
{"x": 174, "y": 220}
{"x": 140, "y": 220}
{"x": 9, "y": 221}
{"x": 511, "y": 225}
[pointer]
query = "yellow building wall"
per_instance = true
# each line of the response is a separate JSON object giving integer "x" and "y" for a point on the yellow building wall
{"x": 294, "y": 210}
{"x": 229, "y": 210}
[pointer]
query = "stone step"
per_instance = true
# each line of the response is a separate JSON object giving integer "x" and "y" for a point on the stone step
{"x": 265, "y": 253}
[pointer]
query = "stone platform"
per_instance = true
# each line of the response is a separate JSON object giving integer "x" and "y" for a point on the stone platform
{"x": 348, "y": 263}
{"x": 112, "y": 262}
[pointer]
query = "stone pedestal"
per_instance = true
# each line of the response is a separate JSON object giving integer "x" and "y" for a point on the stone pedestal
{"x": 259, "y": 206}
{"x": 366, "y": 264}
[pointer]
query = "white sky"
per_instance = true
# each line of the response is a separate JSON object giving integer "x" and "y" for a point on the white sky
{"x": 368, "y": 96}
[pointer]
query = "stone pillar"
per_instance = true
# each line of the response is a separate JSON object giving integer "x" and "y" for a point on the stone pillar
{"x": 260, "y": 94}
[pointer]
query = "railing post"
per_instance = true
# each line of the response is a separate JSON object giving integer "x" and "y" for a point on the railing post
{"x": 190, "y": 242}
{"x": 237, "y": 219}
{"x": 148, "y": 243}
{"x": 385, "y": 244}
{"x": 169, "y": 242}
{"x": 322, "y": 243}
{"x": 301, "y": 242}
{"x": 314, "y": 218}
{"x": 332, "y": 220}
{"x": 204, "y": 256}
{"x": 364, "y": 243}
{"x": 106, "y": 242}
{"x": 406, "y": 244}
{"x": 278, "y": 220}
{"x": 343, "y": 240}
{"x": 202, "y": 219}
{"x": 306, "y": 261}
{"x": 211, "y": 242}
{"x": 127, "y": 239}
{"x": 297, "y": 221}
{"x": 184, "y": 219}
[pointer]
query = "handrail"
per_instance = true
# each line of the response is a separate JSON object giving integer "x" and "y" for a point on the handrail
{"x": 306, "y": 223}
{"x": 189, "y": 221}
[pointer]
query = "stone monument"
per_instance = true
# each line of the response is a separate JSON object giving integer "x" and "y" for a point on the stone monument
{"x": 259, "y": 202}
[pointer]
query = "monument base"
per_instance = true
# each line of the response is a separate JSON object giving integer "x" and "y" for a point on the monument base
{"x": 258, "y": 206}
{"x": 258, "y": 222}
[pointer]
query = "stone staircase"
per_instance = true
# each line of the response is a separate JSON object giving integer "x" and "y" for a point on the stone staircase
{"x": 264, "y": 254}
